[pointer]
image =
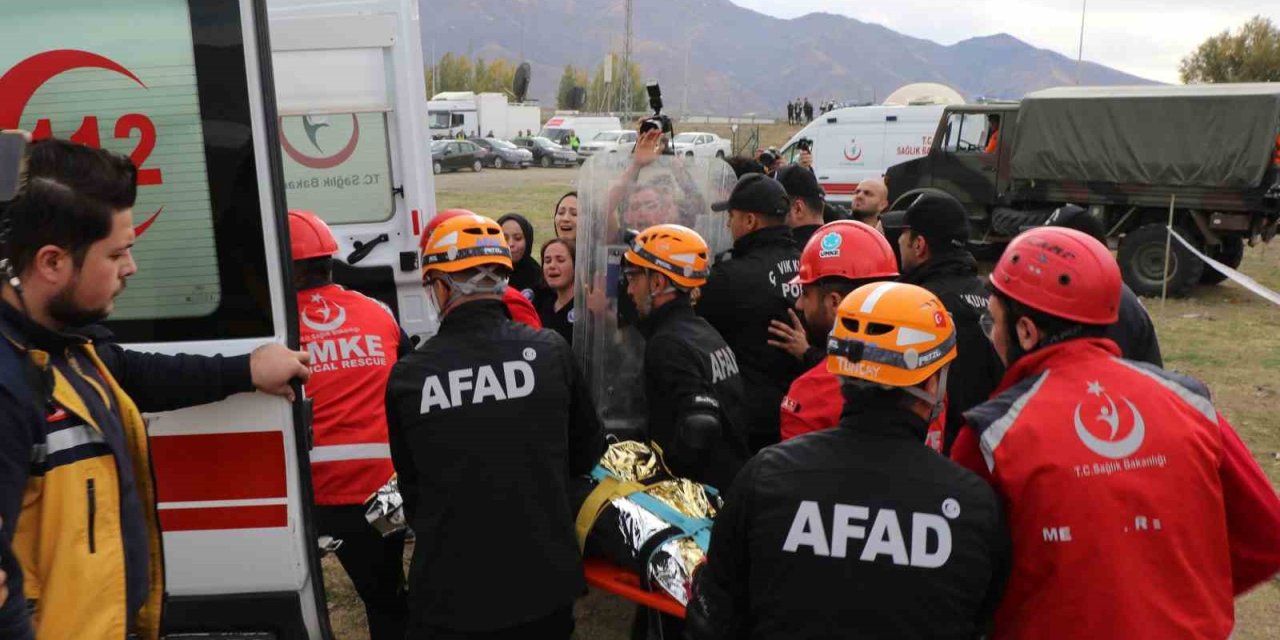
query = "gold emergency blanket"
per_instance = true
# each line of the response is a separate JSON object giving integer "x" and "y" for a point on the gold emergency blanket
{"x": 639, "y": 537}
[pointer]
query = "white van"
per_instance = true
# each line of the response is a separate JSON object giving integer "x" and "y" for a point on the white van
{"x": 558, "y": 126}
{"x": 856, "y": 143}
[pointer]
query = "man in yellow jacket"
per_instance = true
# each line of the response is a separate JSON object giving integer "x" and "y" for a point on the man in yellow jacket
{"x": 87, "y": 536}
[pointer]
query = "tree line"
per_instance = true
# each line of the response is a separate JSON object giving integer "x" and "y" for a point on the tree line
{"x": 462, "y": 73}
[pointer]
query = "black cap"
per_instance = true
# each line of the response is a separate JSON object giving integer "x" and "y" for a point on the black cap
{"x": 1071, "y": 216}
{"x": 757, "y": 193}
{"x": 937, "y": 216}
{"x": 800, "y": 182}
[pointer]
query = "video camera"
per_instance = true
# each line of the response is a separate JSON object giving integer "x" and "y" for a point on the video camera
{"x": 658, "y": 121}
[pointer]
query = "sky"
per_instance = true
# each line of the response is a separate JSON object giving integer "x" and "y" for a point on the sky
{"x": 1147, "y": 38}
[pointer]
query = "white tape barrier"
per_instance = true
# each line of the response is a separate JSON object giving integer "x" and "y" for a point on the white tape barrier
{"x": 1235, "y": 276}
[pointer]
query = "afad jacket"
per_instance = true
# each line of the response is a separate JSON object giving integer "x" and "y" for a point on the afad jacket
{"x": 1134, "y": 508}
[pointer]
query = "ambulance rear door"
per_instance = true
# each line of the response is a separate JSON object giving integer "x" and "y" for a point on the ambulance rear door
{"x": 355, "y": 139}
{"x": 182, "y": 87}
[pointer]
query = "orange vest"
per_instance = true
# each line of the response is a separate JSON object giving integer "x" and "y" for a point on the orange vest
{"x": 353, "y": 342}
{"x": 993, "y": 142}
{"x": 1277, "y": 158}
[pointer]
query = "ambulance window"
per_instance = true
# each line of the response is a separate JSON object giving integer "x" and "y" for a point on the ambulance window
{"x": 171, "y": 104}
{"x": 338, "y": 165}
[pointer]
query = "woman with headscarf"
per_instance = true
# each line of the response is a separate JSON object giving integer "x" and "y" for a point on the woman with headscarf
{"x": 526, "y": 275}
{"x": 565, "y": 221}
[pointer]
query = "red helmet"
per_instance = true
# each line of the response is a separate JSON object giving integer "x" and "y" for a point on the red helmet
{"x": 1062, "y": 272}
{"x": 309, "y": 236}
{"x": 846, "y": 249}
{"x": 440, "y": 216}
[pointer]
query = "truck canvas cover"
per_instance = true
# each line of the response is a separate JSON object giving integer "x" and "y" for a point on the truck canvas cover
{"x": 1207, "y": 135}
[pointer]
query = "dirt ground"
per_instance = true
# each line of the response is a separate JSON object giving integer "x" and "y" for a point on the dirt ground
{"x": 1223, "y": 335}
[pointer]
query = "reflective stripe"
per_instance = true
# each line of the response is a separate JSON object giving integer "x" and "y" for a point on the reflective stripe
{"x": 337, "y": 452}
{"x": 995, "y": 433}
{"x": 222, "y": 504}
{"x": 66, "y": 439}
{"x": 869, "y": 305}
{"x": 1199, "y": 402}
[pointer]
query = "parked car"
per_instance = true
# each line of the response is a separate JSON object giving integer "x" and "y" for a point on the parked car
{"x": 451, "y": 155}
{"x": 703, "y": 145}
{"x": 547, "y": 153}
{"x": 609, "y": 142}
{"x": 503, "y": 154}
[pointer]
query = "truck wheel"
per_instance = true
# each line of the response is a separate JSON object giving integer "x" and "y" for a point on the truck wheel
{"x": 545, "y": 162}
{"x": 1230, "y": 253}
{"x": 476, "y": 166}
{"x": 1142, "y": 262}
{"x": 436, "y": 168}
{"x": 497, "y": 163}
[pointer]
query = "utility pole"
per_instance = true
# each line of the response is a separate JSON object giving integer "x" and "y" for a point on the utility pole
{"x": 684, "y": 101}
{"x": 625, "y": 87}
{"x": 1080, "y": 50}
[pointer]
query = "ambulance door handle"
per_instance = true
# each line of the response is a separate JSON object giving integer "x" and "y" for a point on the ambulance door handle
{"x": 363, "y": 249}
{"x": 307, "y": 433}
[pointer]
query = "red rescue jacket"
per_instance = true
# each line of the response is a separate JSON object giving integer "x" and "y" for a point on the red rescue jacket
{"x": 1135, "y": 511}
{"x": 520, "y": 308}
{"x": 353, "y": 341}
{"x": 814, "y": 403}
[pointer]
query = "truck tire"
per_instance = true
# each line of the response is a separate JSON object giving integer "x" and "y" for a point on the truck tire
{"x": 1230, "y": 253}
{"x": 436, "y": 168}
{"x": 1142, "y": 262}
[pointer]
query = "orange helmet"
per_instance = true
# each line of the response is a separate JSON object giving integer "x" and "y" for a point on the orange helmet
{"x": 465, "y": 241}
{"x": 674, "y": 251}
{"x": 309, "y": 236}
{"x": 846, "y": 249}
{"x": 891, "y": 334}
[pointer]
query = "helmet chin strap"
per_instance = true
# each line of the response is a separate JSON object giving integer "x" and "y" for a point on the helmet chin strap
{"x": 486, "y": 281}
{"x": 935, "y": 399}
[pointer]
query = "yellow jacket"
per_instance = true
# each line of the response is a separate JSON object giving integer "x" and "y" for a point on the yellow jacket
{"x": 69, "y": 537}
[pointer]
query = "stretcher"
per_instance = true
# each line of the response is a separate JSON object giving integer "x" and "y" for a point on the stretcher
{"x": 608, "y": 576}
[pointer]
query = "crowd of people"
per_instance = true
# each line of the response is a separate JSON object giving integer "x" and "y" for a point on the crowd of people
{"x": 801, "y": 111}
{"x": 905, "y": 448}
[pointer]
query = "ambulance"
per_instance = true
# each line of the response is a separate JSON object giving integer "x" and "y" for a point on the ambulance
{"x": 235, "y": 111}
{"x": 856, "y": 143}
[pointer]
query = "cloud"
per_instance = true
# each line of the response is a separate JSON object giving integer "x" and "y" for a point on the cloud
{"x": 1147, "y": 38}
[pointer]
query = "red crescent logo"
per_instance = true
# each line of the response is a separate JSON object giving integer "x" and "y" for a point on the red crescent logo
{"x": 330, "y": 162}
{"x": 20, "y": 83}
{"x": 857, "y": 151}
{"x": 146, "y": 224}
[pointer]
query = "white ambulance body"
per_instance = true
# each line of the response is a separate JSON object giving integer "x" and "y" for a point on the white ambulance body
{"x": 185, "y": 88}
{"x": 856, "y": 143}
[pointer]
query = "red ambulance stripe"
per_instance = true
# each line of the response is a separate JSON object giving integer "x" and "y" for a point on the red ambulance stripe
{"x": 222, "y": 466}
{"x": 417, "y": 223}
{"x": 221, "y": 518}
{"x": 840, "y": 188}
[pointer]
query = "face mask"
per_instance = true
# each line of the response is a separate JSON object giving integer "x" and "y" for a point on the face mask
{"x": 433, "y": 304}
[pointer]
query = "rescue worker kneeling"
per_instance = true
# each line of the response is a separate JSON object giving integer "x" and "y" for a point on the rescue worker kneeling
{"x": 860, "y": 531}
{"x": 489, "y": 420}
{"x": 694, "y": 391}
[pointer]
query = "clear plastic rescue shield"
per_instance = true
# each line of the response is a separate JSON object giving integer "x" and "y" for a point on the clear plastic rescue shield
{"x": 617, "y": 199}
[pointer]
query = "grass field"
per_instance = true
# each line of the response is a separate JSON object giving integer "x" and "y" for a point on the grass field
{"x": 1223, "y": 335}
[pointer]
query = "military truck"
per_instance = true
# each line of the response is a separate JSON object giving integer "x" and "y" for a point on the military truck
{"x": 1127, "y": 154}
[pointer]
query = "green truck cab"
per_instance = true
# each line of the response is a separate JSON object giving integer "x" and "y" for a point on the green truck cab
{"x": 1128, "y": 155}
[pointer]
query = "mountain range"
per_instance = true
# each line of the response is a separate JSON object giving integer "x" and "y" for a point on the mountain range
{"x": 712, "y": 56}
